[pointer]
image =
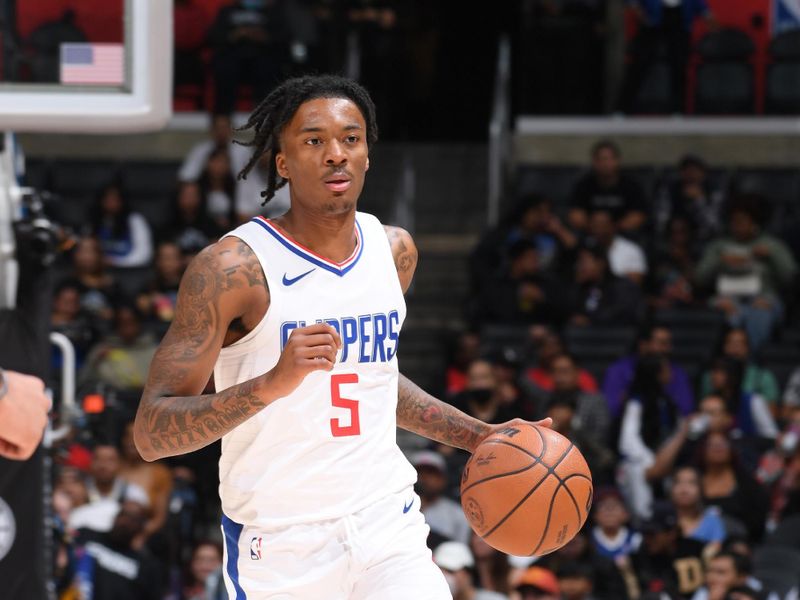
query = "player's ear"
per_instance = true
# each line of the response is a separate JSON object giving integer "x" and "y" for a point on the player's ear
{"x": 280, "y": 164}
{"x": 367, "y": 169}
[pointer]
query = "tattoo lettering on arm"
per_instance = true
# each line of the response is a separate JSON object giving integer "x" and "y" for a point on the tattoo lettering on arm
{"x": 421, "y": 413}
{"x": 405, "y": 254}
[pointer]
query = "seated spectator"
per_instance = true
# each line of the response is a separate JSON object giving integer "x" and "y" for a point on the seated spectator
{"x": 483, "y": 398}
{"x": 598, "y": 297}
{"x": 112, "y": 565}
{"x": 124, "y": 235}
{"x": 67, "y": 317}
{"x": 611, "y": 535}
{"x": 443, "y": 515}
{"x": 649, "y": 418}
{"x": 72, "y": 483}
{"x": 791, "y": 394}
{"x": 106, "y": 491}
{"x": 576, "y": 582}
{"x": 691, "y": 198}
{"x": 457, "y": 565}
{"x": 191, "y": 226}
{"x": 219, "y": 136}
{"x": 625, "y": 258}
{"x": 206, "y": 560}
{"x": 122, "y": 359}
{"x": 548, "y": 346}
{"x": 522, "y": 293}
{"x": 492, "y": 569}
{"x": 157, "y": 300}
{"x": 750, "y": 411}
{"x": 726, "y": 571}
{"x": 97, "y": 286}
{"x": 153, "y": 477}
{"x": 748, "y": 269}
{"x": 466, "y": 350}
{"x": 726, "y": 485}
{"x": 653, "y": 340}
{"x": 779, "y": 471}
{"x": 537, "y": 583}
{"x": 513, "y": 394}
{"x": 672, "y": 276}
{"x": 607, "y": 188}
{"x": 755, "y": 379}
{"x": 667, "y": 562}
{"x": 695, "y": 521}
{"x": 218, "y": 185}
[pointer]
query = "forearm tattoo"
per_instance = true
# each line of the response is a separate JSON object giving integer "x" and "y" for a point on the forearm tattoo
{"x": 421, "y": 413}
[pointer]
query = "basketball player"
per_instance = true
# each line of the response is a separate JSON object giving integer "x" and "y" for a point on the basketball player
{"x": 23, "y": 414}
{"x": 298, "y": 318}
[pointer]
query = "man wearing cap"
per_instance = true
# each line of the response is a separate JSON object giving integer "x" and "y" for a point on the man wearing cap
{"x": 457, "y": 564}
{"x": 443, "y": 515}
{"x": 538, "y": 583}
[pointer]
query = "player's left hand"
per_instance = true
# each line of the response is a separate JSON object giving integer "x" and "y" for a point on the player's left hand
{"x": 548, "y": 422}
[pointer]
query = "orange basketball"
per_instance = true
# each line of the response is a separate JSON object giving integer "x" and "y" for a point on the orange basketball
{"x": 526, "y": 490}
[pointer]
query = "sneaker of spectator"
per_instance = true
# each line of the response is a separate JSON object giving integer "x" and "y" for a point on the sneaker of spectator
{"x": 597, "y": 296}
{"x": 725, "y": 572}
{"x": 125, "y": 235}
{"x": 748, "y": 269}
{"x": 443, "y": 515}
{"x": 121, "y": 359}
{"x": 492, "y": 569}
{"x": 218, "y": 184}
{"x": 157, "y": 300}
{"x": 695, "y": 520}
{"x": 691, "y": 198}
{"x": 605, "y": 187}
{"x": 206, "y": 560}
{"x": 191, "y": 226}
{"x": 611, "y": 535}
{"x": 653, "y": 340}
{"x": 98, "y": 288}
{"x": 106, "y": 491}
{"x": 755, "y": 379}
{"x": 672, "y": 276}
{"x": 219, "y": 136}
{"x": 537, "y": 583}
{"x": 465, "y": 350}
{"x": 68, "y": 318}
{"x": 625, "y": 258}
{"x": 458, "y": 566}
{"x": 547, "y": 346}
{"x": 576, "y": 581}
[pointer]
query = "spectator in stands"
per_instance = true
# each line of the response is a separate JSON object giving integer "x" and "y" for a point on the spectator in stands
{"x": 72, "y": 483}
{"x": 667, "y": 562}
{"x": 755, "y": 379}
{"x": 662, "y": 25}
{"x": 191, "y": 225}
{"x": 598, "y": 297}
{"x": 124, "y": 235}
{"x": 611, "y": 535}
{"x": 154, "y": 478}
{"x": 111, "y": 565}
{"x": 672, "y": 276}
{"x": 250, "y": 40}
{"x": 121, "y": 359}
{"x": 537, "y": 583}
{"x": 443, "y": 515}
{"x": 98, "y": 288}
{"x": 218, "y": 185}
{"x": 157, "y": 299}
{"x": 779, "y": 471}
{"x": 625, "y": 258}
{"x": 696, "y": 522}
{"x": 649, "y": 418}
{"x": 492, "y": 569}
{"x": 548, "y": 346}
{"x": 692, "y": 199}
{"x": 730, "y": 487}
{"x": 219, "y": 136}
{"x": 653, "y": 340}
{"x": 750, "y": 411}
{"x": 748, "y": 268}
{"x": 106, "y": 491}
{"x": 484, "y": 398}
{"x": 191, "y": 27}
{"x": 466, "y": 350}
{"x": 576, "y": 581}
{"x": 791, "y": 394}
{"x": 67, "y": 317}
{"x": 522, "y": 293}
{"x": 607, "y": 188}
{"x": 457, "y": 564}
{"x": 725, "y": 572}
{"x": 206, "y": 560}
{"x": 514, "y": 394}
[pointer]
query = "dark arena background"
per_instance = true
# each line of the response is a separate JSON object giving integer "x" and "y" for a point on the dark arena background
{"x": 605, "y": 195}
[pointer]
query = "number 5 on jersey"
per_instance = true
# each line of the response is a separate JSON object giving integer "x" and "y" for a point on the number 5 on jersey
{"x": 338, "y": 401}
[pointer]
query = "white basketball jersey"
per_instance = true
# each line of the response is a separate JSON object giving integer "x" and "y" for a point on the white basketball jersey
{"x": 329, "y": 448}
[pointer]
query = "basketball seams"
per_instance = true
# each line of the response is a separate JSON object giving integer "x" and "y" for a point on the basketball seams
{"x": 537, "y": 460}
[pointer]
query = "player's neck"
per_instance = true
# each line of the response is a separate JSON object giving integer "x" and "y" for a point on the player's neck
{"x": 331, "y": 236}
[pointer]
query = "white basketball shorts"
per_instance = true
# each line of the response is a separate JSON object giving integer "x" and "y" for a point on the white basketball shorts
{"x": 378, "y": 553}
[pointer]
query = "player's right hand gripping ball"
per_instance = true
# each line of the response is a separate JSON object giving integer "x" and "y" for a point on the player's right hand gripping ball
{"x": 526, "y": 490}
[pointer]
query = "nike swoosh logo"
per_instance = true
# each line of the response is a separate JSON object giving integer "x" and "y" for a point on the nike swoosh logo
{"x": 288, "y": 282}
{"x": 407, "y": 507}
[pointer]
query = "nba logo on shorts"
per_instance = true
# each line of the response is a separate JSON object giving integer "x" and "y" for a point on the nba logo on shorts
{"x": 255, "y": 548}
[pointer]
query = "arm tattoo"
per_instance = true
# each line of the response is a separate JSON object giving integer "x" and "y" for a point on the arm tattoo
{"x": 421, "y": 413}
{"x": 403, "y": 249}
{"x": 167, "y": 425}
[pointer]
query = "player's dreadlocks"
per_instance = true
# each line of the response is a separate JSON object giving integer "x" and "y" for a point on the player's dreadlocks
{"x": 277, "y": 109}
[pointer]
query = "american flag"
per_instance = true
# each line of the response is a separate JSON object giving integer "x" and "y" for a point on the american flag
{"x": 98, "y": 64}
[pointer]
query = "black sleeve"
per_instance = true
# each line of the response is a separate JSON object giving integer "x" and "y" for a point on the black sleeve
{"x": 634, "y": 196}
{"x": 579, "y": 197}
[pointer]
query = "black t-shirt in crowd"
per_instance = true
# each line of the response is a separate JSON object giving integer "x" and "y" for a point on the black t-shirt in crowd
{"x": 625, "y": 196}
{"x": 678, "y": 574}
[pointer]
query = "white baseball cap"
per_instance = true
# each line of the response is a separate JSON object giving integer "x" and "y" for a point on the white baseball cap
{"x": 453, "y": 556}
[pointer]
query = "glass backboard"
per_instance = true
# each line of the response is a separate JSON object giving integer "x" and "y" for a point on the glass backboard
{"x": 85, "y": 66}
